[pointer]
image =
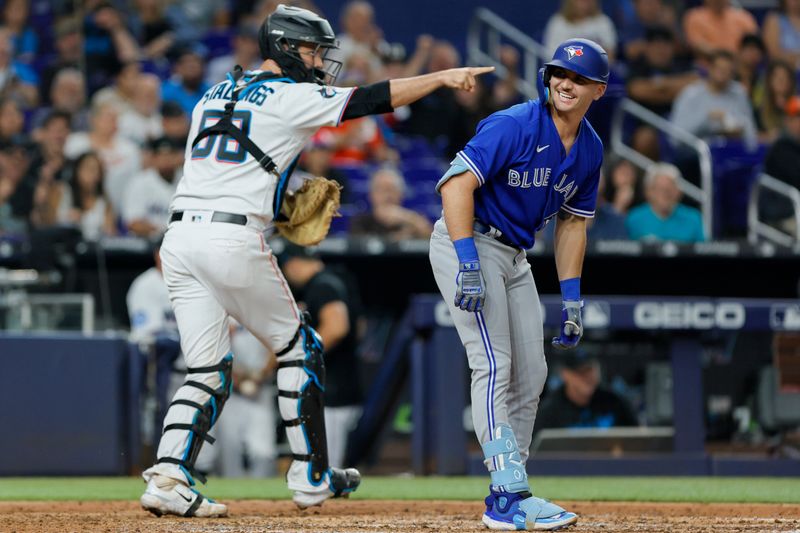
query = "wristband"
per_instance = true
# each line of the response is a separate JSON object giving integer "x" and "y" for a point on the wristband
{"x": 571, "y": 289}
{"x": 466, "y": 250}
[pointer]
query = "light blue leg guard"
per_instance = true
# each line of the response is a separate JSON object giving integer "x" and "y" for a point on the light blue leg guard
{"x": 502, "y": 454}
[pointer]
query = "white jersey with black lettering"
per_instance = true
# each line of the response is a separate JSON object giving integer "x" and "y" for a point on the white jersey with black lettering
{"x": 279, "y": 116}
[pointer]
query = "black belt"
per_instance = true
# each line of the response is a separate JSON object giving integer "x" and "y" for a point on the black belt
{"x": 217, "y": 216}
{"x": 494, "y": 233}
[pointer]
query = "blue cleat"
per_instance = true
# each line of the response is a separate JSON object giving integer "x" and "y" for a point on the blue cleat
{"x": 511, "y": 511}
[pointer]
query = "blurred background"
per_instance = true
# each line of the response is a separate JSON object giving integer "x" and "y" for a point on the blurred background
{"x": 691, "y": 359}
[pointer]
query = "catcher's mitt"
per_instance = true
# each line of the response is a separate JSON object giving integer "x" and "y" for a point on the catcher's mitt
{"x": 309, "y": 210}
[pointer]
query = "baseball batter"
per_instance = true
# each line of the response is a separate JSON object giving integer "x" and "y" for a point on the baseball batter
{"x": 525, "y": 165}
{"x": 246, "y": 135}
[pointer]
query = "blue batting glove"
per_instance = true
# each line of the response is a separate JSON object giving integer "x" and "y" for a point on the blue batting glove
{"x": 571, "y": 325}
{"x": 470, "y": 287}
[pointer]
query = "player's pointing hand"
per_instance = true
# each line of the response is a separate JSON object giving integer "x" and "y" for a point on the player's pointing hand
{"x": 464, "y": 78}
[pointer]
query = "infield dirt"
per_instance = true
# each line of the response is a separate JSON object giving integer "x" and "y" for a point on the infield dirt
{"x": 395, "y": 516}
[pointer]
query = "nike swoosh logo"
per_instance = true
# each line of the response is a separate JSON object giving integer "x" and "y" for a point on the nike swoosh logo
{"x": 188, "y": 499}
{"x": 540, "y": 148}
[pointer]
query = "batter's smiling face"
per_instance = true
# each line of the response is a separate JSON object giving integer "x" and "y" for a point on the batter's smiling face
{"x": 571, "y": 92}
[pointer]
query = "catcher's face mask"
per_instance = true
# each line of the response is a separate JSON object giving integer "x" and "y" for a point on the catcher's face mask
{"x": 314, "y": 60}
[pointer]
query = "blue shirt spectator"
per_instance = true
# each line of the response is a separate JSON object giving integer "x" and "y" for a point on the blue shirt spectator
{"x": 663, "y": 217}
{"x": 186, "y": 86}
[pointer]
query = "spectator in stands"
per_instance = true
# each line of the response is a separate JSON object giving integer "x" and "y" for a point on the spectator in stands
{"x": 360, "y": 141}
{"x": 121, "y": 158}
{"x": 782, "y": 162}
{"x": 51, "y": 137}
{"x": 160, "y": 26}
{"x": 15, "y": 19}
{"x": 388, "y": 218}
{"x": 17, "y": 80}
{"x": 779, "y": 87}
{"x": 751, "y": 65}
{"x": 663, "y": 217}
{"x": 607, "y": 222}
{"x": 16, "y": 183}
{"x": 12, "y": 122}
{"x": 10, "y": 224}
{"x": 437, "y": 117}
{"x": 361, "y": 34}
{"x": 107, "y": 43}
{"x": 245, "y": 53}
{"x": 782, "y": 33}
{"x": 80, "y": 201}
{"x": 716, "y": 25}
{"x": 186, "y": 86}
{"x": 67, "y": 95}
{"x": 582, "y": 402}
{"x": 204, "y": 15}
{"x": 174, "y": 122}
{"x": 69, "y": 49}
{"x": 717, "y": 106}
{"x": 143, "y": 120}
{"x": 622, "y": 188}
{"x": 145, "y": 208}
{"x": 580, "y": 18}
{"x": 654, "y": 80}
{"x": 124, "y": 89}
{"x": 334, "y": 310}
{"x": 647, "y": 14}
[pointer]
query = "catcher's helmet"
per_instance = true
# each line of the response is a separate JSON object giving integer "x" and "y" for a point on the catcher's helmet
{"x": 285, "y": 29}
{"x": 581, "y": 56}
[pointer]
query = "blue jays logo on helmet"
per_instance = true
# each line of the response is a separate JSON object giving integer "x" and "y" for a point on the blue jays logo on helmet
{"x": 582, "y": 56}
{"x": 573, "y": 51}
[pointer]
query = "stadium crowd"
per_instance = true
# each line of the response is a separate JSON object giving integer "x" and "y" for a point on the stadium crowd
{"x": 96, "y": 96}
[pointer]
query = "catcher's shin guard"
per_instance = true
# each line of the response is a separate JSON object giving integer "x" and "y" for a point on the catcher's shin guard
{"x": 205, "y": 390}
{"x": 301, "y": 384}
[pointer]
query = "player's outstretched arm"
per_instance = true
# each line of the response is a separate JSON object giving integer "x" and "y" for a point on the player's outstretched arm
{"x": 406, "y": 90}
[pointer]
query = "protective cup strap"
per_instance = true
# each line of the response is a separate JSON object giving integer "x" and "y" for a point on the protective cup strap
{"x": 190, "y": 468}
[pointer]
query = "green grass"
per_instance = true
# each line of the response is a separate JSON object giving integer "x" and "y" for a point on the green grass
{"x": 684, "y": 489}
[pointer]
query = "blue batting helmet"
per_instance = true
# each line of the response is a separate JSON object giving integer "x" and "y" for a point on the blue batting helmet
{"x": 581, "y": 56}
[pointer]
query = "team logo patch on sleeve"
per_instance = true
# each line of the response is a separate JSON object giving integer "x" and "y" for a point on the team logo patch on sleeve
{"x": 327, "y": 92}
{"x": 574, "y": 51}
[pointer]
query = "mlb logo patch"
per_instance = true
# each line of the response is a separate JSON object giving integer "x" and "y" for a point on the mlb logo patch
{"x": 574, "y": 51}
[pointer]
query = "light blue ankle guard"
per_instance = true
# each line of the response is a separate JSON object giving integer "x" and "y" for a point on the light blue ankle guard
{"x": 509, "y": 472}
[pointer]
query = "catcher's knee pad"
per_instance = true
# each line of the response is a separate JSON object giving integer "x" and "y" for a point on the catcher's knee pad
{"x": 301, "y": 385}
{"x": 208, "y": 393}
{"x": 502, "y": 457}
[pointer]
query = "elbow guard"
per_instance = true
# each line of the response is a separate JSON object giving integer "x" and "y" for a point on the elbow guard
{"x": 372, "y": 99}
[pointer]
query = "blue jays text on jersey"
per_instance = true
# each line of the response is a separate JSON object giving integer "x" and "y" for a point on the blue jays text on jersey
{"x": 524, "y": 173}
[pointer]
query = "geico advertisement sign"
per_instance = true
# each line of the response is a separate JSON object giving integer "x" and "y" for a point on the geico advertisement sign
{"x": 685, "y": 315}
